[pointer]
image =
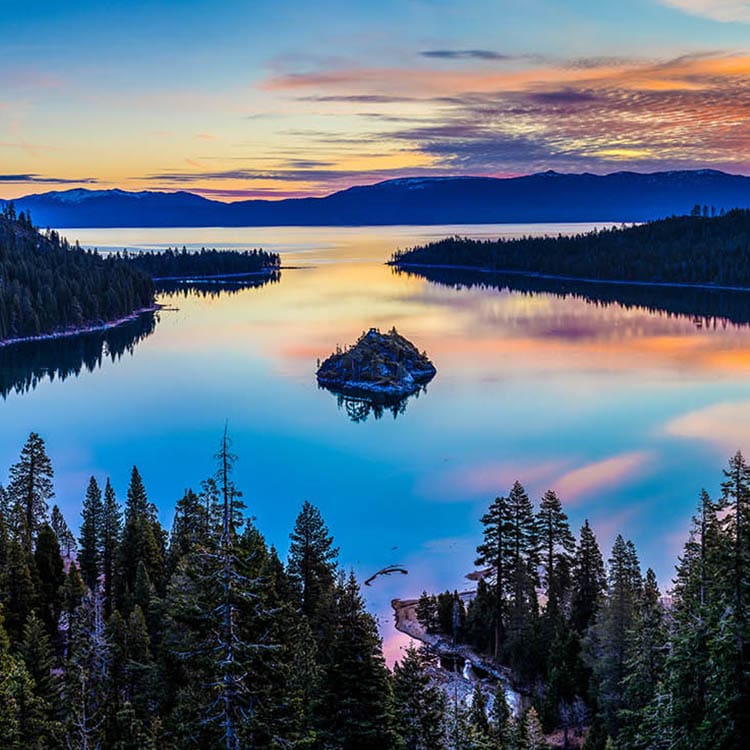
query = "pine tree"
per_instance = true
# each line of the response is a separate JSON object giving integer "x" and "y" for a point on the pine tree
{"x": 608, "y": 639}
{"x": 557, "y": 545}
{"x": 501, "y": 720}
{"x": 87, "y": 675}
{"x": 140, "y": 668}
{"x": 65, "y": 537}
{"x": 21, "y": 594}
{"x": 51, "y": 577}
{"x": 524, "y": 579}
{"x": 419, "y": 707}
{"x": 533, "y": 734}
{"x": 73, "y": 591}
{"x": 478, "y": 718}
{"x": 189, "y": 529}
{"x": 735, "y": 503}
{"x": 567, "y": 680}
{"x": 29, "y": 490}
{"x": 644, "y": 667}
{"x": 18, "y": 704}
{"x": 312, "y": 566}
{"x": 495, "y": 553}
{"x": 142, "y": 540}
{"x": 89, "y": 559}
{"x": 589, "y": 579}
{"x": 42, "y": 723}
{"x": 210, "y": 597}
{"x": 685, "y": 709}
{"x": 111, "y": 529}
{"x": 356, "y": 710}
{"x": 427, "y": 612}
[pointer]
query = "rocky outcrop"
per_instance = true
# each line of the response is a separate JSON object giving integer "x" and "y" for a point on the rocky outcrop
{"x": 380, "y": 366}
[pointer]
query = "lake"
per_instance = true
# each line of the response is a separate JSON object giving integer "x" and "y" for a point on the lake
{"x": 627, "y": 410}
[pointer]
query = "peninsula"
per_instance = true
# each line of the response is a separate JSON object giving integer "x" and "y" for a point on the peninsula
{"x": 704, "y": 250}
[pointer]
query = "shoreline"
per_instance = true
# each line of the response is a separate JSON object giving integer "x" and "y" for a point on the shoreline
{"x": 80, "y": 330}
{"x": 576, "y": 279}
{"x": 218, "y": 277}
{"x": 405, "y": 621}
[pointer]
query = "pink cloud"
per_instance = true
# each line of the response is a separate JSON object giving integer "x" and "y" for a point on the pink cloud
{"x": 726, "y": 425}
{"x": 494, "y": 477}
{"x": 600, "y": 475}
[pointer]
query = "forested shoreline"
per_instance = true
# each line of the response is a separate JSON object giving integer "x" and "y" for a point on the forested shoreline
{"x": 602, "y": 655}
{"x": 49, "y": 287}
{"x": 134, "y": 637}
{"x": 172, "y": 264}
{"x": 699, "y": 249}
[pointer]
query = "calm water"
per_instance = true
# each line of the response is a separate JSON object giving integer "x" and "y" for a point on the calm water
{"x": 626, "y": 412}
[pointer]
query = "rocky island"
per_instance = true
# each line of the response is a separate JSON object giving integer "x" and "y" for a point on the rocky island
{"x": 381, "y": 367}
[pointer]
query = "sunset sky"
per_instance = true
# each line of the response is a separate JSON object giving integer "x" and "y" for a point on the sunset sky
{"x": 273, "y": 99}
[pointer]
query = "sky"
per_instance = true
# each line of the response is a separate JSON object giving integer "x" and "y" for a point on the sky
{"x": 258, "y": 99}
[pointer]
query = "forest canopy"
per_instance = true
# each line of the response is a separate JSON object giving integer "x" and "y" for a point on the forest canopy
{"x": 695, "y": 249}
{"x": 132, "y": 636}
{"x": 174, "y": 264}
{"x": 49, "y": 286}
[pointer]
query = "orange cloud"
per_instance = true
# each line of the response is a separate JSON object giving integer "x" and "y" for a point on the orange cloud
{"x": 601, "y": 475}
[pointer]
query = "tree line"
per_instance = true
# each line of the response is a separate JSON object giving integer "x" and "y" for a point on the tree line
{"x": 696, "y": 249}
{"x": 48, "y": 285}
{"x": 598, "y": 646}
{"x": 130, "y": 636}
{"x": 174, "y": 263}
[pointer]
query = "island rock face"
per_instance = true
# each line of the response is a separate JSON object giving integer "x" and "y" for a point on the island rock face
{"x": 380, "y": 366}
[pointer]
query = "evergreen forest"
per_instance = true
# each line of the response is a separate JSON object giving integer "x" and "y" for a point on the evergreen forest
{"x": 696, "y": 249}
{"x": 175, "y": 264}
{"x": 129, "y": 635}
{"x": 48, "y": 286}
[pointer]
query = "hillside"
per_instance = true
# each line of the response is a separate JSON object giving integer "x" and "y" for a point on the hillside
{"x": 543, "y": 197}
{"x": 695, "y": 250}
{"x": 48, "y": 286}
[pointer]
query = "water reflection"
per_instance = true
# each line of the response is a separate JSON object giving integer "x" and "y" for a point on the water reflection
{"x": 626, "y": 400}
{"x": 23, "y": 366}
{"x": 707, "y": 308}
{"x": 207, "y": 287}
{"x": 359, "y": 407}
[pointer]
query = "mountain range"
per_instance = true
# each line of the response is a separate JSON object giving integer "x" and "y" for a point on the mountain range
{"x": 542, "y": 197}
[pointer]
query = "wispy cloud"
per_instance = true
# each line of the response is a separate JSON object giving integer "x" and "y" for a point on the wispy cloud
{"x": 725, "y": 425}
{"x": 718, "y": 10}
{"x": 600, "y": 475}
{"x": 492, "y": 478}
{"x": 465, "y": 54}
{"x": 31, "y": 177}
{"x": 597, "y": 114}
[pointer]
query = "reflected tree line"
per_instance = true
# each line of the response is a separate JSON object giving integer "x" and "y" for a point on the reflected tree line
{"x": 706, "y": 308}
{"x": 213, "y": 288}
{"x": 26, "y": 364}
{"x": 360, "y": 408}
{"x": 23, "y": 366}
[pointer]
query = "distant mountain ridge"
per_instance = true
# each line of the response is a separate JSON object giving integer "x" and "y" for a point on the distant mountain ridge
{"x": 542, "y": 197}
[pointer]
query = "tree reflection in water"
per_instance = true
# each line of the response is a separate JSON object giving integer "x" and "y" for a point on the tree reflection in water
{"x": 359, "y": 407}
{"x": 23, "y": 366}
